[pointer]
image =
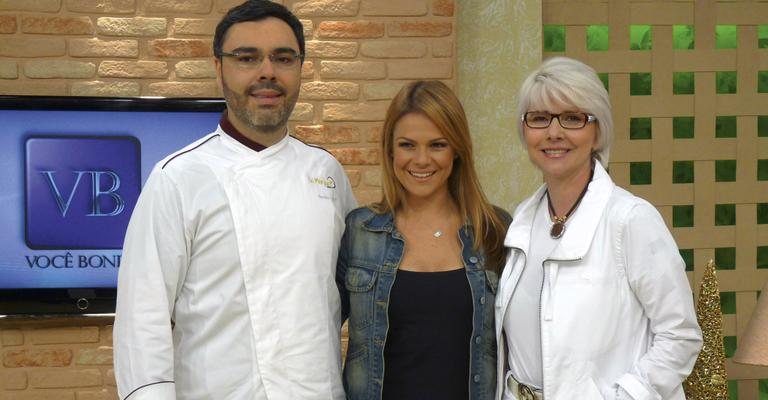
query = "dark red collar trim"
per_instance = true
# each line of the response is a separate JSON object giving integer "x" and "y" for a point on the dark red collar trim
{"x": 230, "y": 130}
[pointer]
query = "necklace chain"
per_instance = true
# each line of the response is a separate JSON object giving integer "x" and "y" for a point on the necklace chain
{"x": 558, "y": 227}
{"x": 437, "y": 233}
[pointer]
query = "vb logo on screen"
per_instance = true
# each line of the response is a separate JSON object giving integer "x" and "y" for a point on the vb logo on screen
{"x": 80, "y": 191}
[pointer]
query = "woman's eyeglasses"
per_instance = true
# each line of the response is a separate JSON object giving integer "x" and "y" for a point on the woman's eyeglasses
{"x": 568, "y": 120}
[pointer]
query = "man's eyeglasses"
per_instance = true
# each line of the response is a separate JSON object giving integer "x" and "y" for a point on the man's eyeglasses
{"x": 284, "y": 59}
{"x": 568, "y": 120}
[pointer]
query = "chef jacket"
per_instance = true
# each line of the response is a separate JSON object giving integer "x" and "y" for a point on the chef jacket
{"x": 226, "y": 289}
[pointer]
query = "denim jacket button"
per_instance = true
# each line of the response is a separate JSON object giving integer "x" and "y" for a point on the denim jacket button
{"x": 482, "y": 299}
{"x": 476, "y": 378}
{"x": 478, "y": 339}
{"x": 473, "y": 260}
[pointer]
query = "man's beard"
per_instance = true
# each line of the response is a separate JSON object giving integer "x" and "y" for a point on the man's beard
{"x": 260, "y": 120}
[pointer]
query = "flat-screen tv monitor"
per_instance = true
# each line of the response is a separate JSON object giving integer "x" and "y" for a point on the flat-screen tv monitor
{"x": 71, "y": 169}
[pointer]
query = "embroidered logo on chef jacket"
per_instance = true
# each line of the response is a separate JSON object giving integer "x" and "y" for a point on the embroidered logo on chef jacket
{"x": 326, "y": 186}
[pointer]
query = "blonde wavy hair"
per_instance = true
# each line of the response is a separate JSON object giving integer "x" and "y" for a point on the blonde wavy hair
{"x": 436, "y": 101}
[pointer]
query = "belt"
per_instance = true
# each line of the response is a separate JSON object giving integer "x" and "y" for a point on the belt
{"x": 523, "y": 391}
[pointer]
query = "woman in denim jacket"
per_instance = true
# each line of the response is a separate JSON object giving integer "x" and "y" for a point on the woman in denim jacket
{"x": 417, "y": 281}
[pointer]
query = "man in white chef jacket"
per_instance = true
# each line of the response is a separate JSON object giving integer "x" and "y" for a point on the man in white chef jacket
{"x": 226, "y": 289}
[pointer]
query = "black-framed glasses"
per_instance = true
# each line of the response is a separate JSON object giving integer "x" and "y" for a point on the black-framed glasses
{"x": 568, "y": 119}
{"x": 282, "y": 59}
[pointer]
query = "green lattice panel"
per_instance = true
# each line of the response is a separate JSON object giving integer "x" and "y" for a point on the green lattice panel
{"x": 640, "y": 37}
{"x": 762, "y": 36}
{"x": 761, "y": 260}
{"x": 597, "y": 38}
{"x": 762, "y": 213}
{"x": 725, "y": 170}
{"x": 725, "y": 82}
{"x": 682, "y": 127}
{"x": 554, "y": 38}
{"x": 687, "y": 255}
{"x": 640, "y": 128}
{"x": 682, "y": 172}
{"x": 683, "y": 83}
{"x": 762, "y": 126}
{"x": 733, "y": 390}
{"x": 762, "y": 81}
{"x": 604, "y": 77}
{"x": 728, "y": 302}
{"x": 726, "y": 126}
{"x": 726, "y": 37}
{"x": 683, "y": 37}
{"x": 725, "y": 257}
{"x": 640, "y": 83}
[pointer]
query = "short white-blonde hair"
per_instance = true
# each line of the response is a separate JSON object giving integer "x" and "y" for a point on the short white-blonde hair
{"x": 563, "y": 81}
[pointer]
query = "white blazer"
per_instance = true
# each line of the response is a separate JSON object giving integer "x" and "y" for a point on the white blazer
{"x": 616, "y": 307}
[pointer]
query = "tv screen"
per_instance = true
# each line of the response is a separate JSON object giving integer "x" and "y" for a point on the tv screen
{"x": 71, "y": 169}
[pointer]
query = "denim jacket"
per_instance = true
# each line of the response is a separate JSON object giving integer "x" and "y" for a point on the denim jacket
{"x": 370, "y": 253}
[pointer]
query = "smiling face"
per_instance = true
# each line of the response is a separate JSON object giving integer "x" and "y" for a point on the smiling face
{"x": 422, "y": 158}
{"x": 261, "y": 99}
{"x": 562, "y": 155}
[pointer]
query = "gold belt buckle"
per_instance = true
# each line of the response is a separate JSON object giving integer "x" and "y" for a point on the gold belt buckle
{"x": 524, "y": 392}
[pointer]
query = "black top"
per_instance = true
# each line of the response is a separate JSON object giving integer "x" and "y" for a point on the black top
{"x": 430, "y": 327}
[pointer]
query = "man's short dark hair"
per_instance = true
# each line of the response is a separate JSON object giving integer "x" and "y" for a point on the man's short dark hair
{"x": 256, "y": 10}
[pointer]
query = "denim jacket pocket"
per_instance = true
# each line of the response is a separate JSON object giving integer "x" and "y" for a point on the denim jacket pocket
{"x": 360, "y": 279}
{"x": 360, "y": 282}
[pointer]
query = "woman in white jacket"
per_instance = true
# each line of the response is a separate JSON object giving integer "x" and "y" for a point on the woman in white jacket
{"x": 593, "y": 302}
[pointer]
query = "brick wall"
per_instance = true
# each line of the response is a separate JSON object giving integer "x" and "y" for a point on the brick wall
{"x": 57, "y": 359}
{"x": 359, "y": 53}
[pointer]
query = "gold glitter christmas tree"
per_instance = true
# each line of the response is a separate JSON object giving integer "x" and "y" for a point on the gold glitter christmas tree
{"x": 708, "y": 381}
